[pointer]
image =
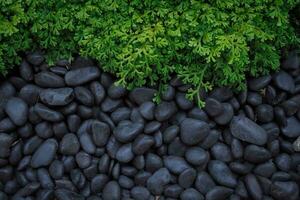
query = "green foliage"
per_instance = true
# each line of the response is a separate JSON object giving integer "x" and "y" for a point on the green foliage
{"x": 206, "y": 43}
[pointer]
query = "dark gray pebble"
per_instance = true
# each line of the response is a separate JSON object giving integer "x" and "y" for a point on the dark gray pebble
{"x": 193, "y": 131}
{"x": 17, "y": 110}
{"x": 57, "y": 97}
{"x": 141, "y": 95}
{"x": 48, "y": 80}
{"x": 111, "y": 191}
{"x": 81, "y": 76}
{"x": 157, "y": 182}
{"x": 126, "y": 131}
{"x": 44, "y": 155}
{"x": 222, "y": 173}
{"x": 69, "y": 144}
{"x": 191, "y": 194}
{"x": 248, "y": 131}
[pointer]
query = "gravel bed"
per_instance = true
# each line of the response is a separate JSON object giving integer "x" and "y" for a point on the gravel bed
{"x": 69, "y": 133}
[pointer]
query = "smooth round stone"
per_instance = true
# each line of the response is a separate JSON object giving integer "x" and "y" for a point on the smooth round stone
{"x": 165, "y": 110}
{"x": 104, "y": 162}
{"x": 237, "y": 148}
{"x": 221, "y": 94}
{"x": 153, "y": 162}
{"x": 156, "y": 183}
{"x": 219, "y": 193}
{"x": 204, "y": 183}
{"x": 175, "y": 164}
{"x": 221, "y": 173}
{"x": 60, "y": 129}
{"x": 62, "y": 194}
{"x": 211, "y": 139}
{"x": 168, "y": 94}
{"x": 57, "y": 97}
{"x": 246, "y": 130}
{"x": 256, "y": 154}
{"x": 152, "y": 127}
{"x": 17, "y": 82}
{"x": 241, "y": 168}
{"x": 44, "y": 155}
{"x": 191, "y": 194}
{"x": 85, "y": 112}
{"x": 147, "y": 110}
{"x": 170, "y": 133}
{"x": 213, "y": 107}
{"x": 283, "y": 162}
{"x": 284, "y": 81}
{"x": 140, "y": 193}
{"x": 111, "y": 191}
{"x": 226, "y": 115}
{"x": 176, "y": 148}
{"x": 139, "y": 162}
{"x": 124, "y": 153}
{"x": 142, "y": 94}
{"x": 83, "y": 159}
{"x": 6, "y": 125}
{"x": 112, "y": 146}
{"x": 296, "y": 144}
{"x": 69, "y": 144}
{"x": 249, "y": 112}
{"x": 259, "y": 83}
{"x": 44, "y": 178}
{"x": 221, "y": 152}
{"x": 120, "y": 114}
{"x": 56, "y": 169}
{"x": 87, "y": 144}
{"x": 292, "y": 129}
{"x": 73, "y": 122}
{"x": 47, "y": 114}
{"x": 264, "y": 113}
{"x": 197, "y": 156}
{"x": 265, "y": 169}
{"x": 17, "y": 110}
{"x": 81, "y": 76}
{"x": 43, "y": 130}
{"x": 26, "y": 71}
{"x": 98, "y": 91}
{"x": 116, "y": 91}
{"x": 6, "y": 141}
{"x": 280, "y": 117}
{"x": 182, "y": 102}
{"x": 59, "y": 70}
{"x": 84, "y": 96}
{"x": 16, "y": 153}
{"x": 98, "y": 182}
{"x": 193, "y": 131}
{"x": 285, "y": 190}
{"x": 173, "y": 191}
{"x": 100, "y": 132}
{"x": 24, "y": 163}
{"x": 142, "y": 144}
{"x": 187, "y": 178}
{"x": 253, "y": 187}
{"x": 31, "y": 145}
{"x": 110, "y": 105}
{"x": 125, "y": 182}
{"x": 290, "y": 107}
{"x": 126, "y": 131}
{"x": 254, "y": 98}
{"x": 48, "y": 80}
{"x": 199, "y": 114}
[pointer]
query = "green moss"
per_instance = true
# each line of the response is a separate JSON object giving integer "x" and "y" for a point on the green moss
{"x": 206, "y": 43}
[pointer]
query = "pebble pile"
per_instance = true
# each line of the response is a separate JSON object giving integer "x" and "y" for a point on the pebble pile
{"x": 69, "y": 133}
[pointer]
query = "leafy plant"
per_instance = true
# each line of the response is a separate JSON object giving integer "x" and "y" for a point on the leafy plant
{"x": 206, "y": 43}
